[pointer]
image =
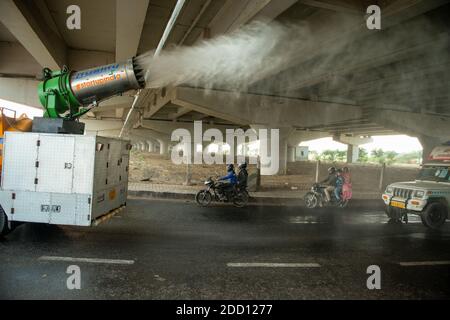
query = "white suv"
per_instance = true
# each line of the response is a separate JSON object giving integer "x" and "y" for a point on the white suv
{"x": 427, "y": 196}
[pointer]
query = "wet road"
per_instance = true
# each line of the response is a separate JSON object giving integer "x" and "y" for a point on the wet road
{"x": 176, "y": 250}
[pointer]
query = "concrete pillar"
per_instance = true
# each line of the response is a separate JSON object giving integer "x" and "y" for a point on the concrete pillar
{"x": 352, "y": 153}
{"x": 353, "y": 143}
{"x": 290, "y": 154}
{"x": 428, "y": 143}
{"x": 382, "y": 173}
{"x": 197, "y": 151}
{"x": 266, "y": 169}
{"x": 266, "y": 142}
{"x": 234, "y": 151}
{"x": 142, "y": 146}
{"x": 150, "y": 146}
{"x": 163, "y": 147}
{"x": 205, "y": 145}
{"x": 283, "y": 156}
{"x": 317, "y": 171}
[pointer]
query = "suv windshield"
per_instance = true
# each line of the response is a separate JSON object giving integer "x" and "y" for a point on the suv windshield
{"x": 437, "y": 173}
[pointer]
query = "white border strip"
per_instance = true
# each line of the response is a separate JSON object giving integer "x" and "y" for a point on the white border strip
{"x": 424, "y": 263}
{"x": 271, "y": 265}
{"x": 88, "y": 260}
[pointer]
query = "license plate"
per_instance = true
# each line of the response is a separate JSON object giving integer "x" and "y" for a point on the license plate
{"x": 398, "y": 204}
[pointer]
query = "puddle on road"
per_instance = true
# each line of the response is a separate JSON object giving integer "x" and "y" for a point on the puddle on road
{"x": 352, "y": 219}
{"x": 305, "y": 220}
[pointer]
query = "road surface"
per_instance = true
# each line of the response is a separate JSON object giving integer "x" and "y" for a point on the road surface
{"x": 176, "y": 250}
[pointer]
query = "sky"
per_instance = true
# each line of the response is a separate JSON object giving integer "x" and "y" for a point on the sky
{"x": 31, "y": 112}
{"x": 397, "y": 143}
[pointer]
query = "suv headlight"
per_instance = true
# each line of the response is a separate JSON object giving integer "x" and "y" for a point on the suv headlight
{"x": 419, "y": 193}
{"x": 389, "y": 190}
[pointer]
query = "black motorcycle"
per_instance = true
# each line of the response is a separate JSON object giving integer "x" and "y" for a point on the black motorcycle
{"x": 217, "y": 191}
{"x": 316, "y": 197}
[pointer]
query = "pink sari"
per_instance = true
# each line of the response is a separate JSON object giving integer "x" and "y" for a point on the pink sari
{"x": 347, "y": 187}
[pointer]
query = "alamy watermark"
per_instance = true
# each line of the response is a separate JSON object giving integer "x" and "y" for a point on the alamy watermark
{"x": 373, "y": 21}
{"x": 74, "y": 280}
{"x": 73, "y": 22}
{"x": 186, "y": 152}
{"x": 374, "y": 280}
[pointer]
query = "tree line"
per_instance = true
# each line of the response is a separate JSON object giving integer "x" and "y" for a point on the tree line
{"x": 375, "y": 156}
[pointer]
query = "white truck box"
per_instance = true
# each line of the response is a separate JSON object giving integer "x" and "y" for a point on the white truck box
{"x": 62, "y": 179}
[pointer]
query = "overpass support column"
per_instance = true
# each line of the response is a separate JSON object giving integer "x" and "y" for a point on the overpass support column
{"x": 290, "y": 153}
{"x": 151, "y": 146}
{"x": 266, "y": 141}
{"x": 163, "y": 147}
{"x": 352, "y": 153}
{"x": 428, "y": 143}
{"x": 235, "y": 153}
{"x": 353, "y": 144}
{"x": 283, "y": 156}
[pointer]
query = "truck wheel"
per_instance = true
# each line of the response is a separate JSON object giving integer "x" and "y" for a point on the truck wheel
{"x": 4, "y": 228}
{"x": 434, "y": 215}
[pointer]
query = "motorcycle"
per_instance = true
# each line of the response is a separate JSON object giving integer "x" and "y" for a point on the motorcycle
{"x": 316, "y": 197}
{"x": 236, "y": 195}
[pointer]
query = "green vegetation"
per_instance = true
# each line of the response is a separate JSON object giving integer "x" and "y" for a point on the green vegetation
{"x": 376, "y": 156}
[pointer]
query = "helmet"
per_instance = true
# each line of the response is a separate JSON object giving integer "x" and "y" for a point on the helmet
{"x": 331, "y": 170}
{"x": 230, "y": 167}
{"x": 243, "y": 165}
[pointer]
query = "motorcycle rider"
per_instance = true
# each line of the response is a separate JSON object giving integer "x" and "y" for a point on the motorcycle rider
{"x": 330, "y": 182}
{"x": 229, "y": 181}
{"x": 339, "y": 184}
{"x": 242, "y": 175}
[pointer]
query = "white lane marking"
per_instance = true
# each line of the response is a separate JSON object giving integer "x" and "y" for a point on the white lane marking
{"x": 271, "y": 265}
{"x": 424, "y": 263}
{"x": 88, "y": 260}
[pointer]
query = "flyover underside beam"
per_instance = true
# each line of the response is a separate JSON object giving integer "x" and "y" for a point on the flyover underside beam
{"x": 153, "y": 100}
{"x": 180, "y": 112}
{"x": 235, "y": 14}
{"x": 363, "y": 62}
{"x": 130, "y": 18}
{"x": 342, "y": 6}
{"x": 24, "y": 21}
{"x": 210, "y": 111}
{"x": 414, "y": 124}
{"x": 117, "y": 102}
{"x": 262, "y": 109}
{"x": 337, "y": 40}
{"x": 16, "y": 61}
{"x": 23, "y": 91}
{"x": 168, "y": 127}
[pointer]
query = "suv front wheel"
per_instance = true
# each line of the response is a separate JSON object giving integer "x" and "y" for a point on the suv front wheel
{"x": 434, "y": 215}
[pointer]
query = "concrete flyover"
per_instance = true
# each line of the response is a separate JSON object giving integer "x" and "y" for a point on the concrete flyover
{"x": 350, "y": 83}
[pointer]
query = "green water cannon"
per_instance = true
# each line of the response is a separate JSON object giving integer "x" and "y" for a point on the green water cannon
{"x": 70, "y": 94}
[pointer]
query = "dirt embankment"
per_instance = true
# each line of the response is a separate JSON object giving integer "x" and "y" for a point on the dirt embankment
{"x": 154, "y": 168}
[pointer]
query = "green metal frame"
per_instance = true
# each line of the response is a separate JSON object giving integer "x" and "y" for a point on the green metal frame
{"x": 57, "y": 97}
